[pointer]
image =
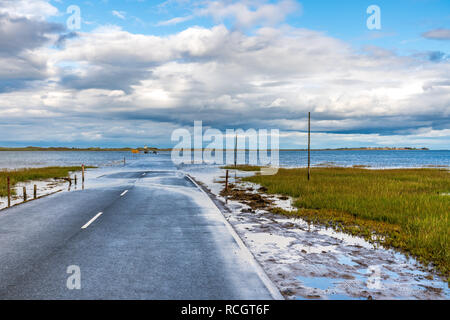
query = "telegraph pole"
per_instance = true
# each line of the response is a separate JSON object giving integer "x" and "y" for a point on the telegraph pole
{"x": 235, "y": 151}
{"x": 309, "y": 146}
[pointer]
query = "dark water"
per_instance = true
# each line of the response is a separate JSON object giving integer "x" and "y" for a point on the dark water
{"x": 375, "y": 159}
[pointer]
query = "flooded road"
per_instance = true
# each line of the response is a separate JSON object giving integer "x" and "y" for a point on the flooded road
{"x": 141, "y": 231}
{"x": 157, "y": 228}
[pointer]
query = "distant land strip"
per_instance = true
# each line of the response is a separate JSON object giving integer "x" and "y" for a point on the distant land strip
{"x": 170, "y": 149}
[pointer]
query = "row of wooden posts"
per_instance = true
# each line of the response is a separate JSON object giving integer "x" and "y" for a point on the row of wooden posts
{"x": 25, "y": 197}
{"x": 24, "y": 192}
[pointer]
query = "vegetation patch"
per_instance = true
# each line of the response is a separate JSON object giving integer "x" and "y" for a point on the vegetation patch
{"x": 243, "y": 167}
{"x": 254, "y": 200}
{"x": 399, "y": 208}
{"x": 32, "y": 174}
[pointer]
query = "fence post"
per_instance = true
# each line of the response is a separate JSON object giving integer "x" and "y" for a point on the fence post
{"x": 24, "y": 194}
{"x": 82, "y": 173}
{"x": 35, "y": 192}
{"x": 226, "y": 182}
{"x": 75, "y": 179}
{"x": 9, "y": 192}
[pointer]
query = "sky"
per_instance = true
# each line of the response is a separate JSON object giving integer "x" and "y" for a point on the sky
{"x": 130, "y": 72}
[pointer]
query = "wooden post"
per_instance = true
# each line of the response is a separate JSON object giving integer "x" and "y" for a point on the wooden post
{"x": 235, "y": 152}
{"x": 309, "y": 146}
{"x": 35, "y": 192}
{"x": 124, "y": 161}
{"x": 75, "y": 179}
{"x": 9, "y": 192}
{"x": 226, "y": 182}
{"x": 82, "y": 173}
{"x": 24, "y": 194}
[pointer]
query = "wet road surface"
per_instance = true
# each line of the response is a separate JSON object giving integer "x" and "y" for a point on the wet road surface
{"x": 145, "y": 231}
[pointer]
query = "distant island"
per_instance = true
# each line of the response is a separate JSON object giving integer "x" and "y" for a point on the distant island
{"x": 362, "y": 149}
{"x": 76, "y": 149}
{"x": 30, "y": 148}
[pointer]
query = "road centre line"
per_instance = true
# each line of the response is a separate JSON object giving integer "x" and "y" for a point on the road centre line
{"x": 92, "y": 220}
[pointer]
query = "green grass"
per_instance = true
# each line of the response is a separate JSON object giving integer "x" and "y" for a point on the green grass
{"x": 30, "y": 174}
{"x": 242, "y": 167}
{"x": 406, "y": 206}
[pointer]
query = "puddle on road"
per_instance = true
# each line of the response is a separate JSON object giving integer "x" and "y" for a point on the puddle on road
{"x": 317, "y": 282}
{"x": 323, "y": 288}
{"x": 346, "y": 260}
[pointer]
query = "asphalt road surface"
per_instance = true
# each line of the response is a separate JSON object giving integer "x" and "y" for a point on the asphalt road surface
{"x": 141, "y": 232}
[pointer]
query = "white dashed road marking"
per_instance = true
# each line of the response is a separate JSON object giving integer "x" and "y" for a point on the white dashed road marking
{"x": 92, "y": 220}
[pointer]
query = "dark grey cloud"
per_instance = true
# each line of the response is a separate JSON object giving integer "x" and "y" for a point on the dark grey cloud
{"x": 20, "y": 37}
{"x": 64, "y": 37}
{"x": 437, "y": 34}
{"x": 438, "y": 56}
{"x": 105, "y": 77}
{"x": 20, "y": 33}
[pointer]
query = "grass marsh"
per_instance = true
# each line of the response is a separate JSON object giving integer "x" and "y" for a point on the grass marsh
{"x": 32, "y": 174}
{"x": 408, "y": 208}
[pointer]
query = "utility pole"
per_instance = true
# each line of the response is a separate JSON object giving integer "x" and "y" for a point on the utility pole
{"x": 235, "y": 158}
{"x": 309, "y": 146}
{"x": 235, "y": 151}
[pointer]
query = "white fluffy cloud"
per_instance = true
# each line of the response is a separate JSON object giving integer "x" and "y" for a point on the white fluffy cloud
{"x": 31, "y": 9}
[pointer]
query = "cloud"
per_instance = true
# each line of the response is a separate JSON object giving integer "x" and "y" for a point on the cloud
{"x": 438, "y": 56}
{"x": 437, "y": 34}
{"x": 21, "y": 33}
{"x": 23, "y": 56}
{"x": 174, "y": 21}
{"x": 119, "y": 14}
{"x": 31, "y": 9}
{"x": 249, "y": 13}
{"x": 111, "y": 86}
{"x": 63, "y": 37}
{"x": 226, "y": 77}
{"x": 241, "y": 14}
